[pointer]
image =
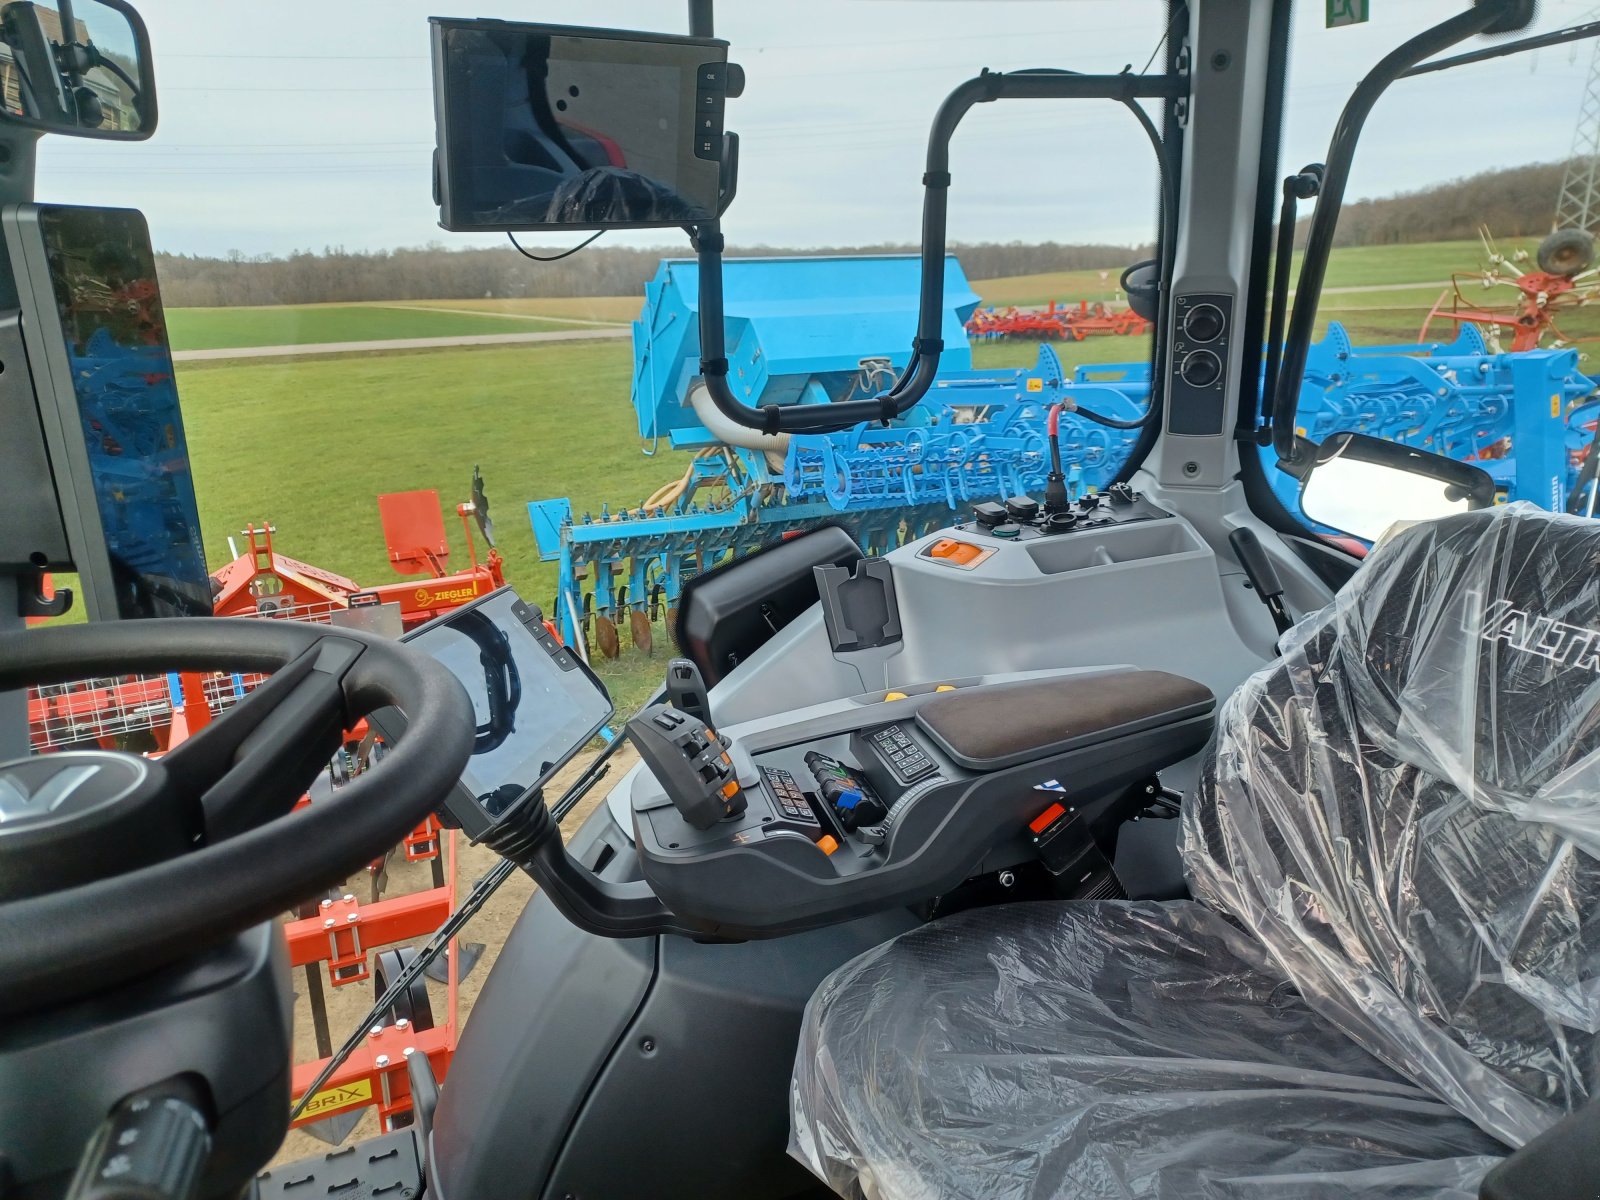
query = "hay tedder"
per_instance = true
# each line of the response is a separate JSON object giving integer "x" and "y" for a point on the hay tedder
{"x": 819, "y": 330}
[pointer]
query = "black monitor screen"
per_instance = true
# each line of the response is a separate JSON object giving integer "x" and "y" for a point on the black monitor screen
{"x": 542, "y": 127}
{"x": 534, "y": 703}
{"x": 103, "y": 277}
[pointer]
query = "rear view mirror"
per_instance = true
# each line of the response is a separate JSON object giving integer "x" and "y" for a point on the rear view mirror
{"x": 80, "y": 67}
{"x": 548, "y": 127}
{"x": 1361, "y": 485}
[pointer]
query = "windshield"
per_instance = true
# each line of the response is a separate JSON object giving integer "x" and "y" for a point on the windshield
{"x": 1453, "y": 314}
{"x": 334, "y": 345}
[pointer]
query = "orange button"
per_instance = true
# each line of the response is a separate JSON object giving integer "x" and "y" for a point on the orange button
{"x": 827, "y": 843}
{"x": 730, "y": 789}
{"x": 954, "y": 551}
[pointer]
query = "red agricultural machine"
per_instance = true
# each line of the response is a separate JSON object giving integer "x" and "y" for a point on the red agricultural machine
{"x": 1057, "y": 323}
{"x": 1564, "y": 261}
{"x": 355, "y": 936}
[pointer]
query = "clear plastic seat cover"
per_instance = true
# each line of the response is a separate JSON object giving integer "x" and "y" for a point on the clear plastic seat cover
{"x": 1390, "y": 975}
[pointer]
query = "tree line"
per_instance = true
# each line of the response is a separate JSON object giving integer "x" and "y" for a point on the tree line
{"x": 437, "y": 273}
{"x": 1513, "y": 202}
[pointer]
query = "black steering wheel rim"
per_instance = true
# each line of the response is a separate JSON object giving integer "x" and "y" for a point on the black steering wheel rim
{"x": 65, "y": 944}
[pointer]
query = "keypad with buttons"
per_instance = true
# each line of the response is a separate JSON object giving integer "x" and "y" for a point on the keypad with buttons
{"x": 791, "y": 799}
{"x": 906, "y": 760}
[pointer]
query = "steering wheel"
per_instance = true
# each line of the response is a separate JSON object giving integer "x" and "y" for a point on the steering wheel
{"x": 113, "y": 865}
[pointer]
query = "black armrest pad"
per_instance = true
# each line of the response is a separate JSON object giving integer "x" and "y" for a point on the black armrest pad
{"x": 1562, "y": 1163}
{"x": 989, "y": 728}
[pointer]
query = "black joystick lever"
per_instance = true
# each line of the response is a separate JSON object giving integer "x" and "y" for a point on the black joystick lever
{"x": 690, "y": 762}
{"x": 1263, "y": 576}
{"x": 686, "y": 689}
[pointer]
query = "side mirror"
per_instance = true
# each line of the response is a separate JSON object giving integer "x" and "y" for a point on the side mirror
{"x": 1141, "y": 283}
{"x": 549, "y": 127}
{"x": 79, "y": 67}
{"x": 1361, "y": 485}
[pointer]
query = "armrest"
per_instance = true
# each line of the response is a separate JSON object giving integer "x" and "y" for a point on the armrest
{"x": 990, "y": 728}
{"x": 1562, "y": 1163}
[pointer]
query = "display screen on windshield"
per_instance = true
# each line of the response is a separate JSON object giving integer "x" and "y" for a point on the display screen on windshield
{"x": 534, "y": 704}
{"x": 545, "y": 127}
{"x": 103, "y": 279}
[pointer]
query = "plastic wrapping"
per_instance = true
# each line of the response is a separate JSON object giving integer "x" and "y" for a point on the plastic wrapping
{"x": 1112, "y": 1049}
{"x": 1405, "y": 812}
{"x": 1393, "y": 957}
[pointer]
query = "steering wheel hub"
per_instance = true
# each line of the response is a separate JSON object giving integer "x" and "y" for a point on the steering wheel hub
{"x": 70, "y": 818}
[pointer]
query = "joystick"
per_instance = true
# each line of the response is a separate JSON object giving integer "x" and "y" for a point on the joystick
{"x": 691, "y": 763}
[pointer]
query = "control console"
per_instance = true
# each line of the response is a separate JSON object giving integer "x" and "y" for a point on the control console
{"x": 866, "y": 803}
{"x": 1021, "y": 517}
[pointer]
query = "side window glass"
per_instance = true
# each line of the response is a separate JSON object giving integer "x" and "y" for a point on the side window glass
{"x": 1456, "y": 315}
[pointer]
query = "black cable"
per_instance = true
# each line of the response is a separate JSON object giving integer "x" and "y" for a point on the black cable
{"x": 553, "y": 257}
{"x": 1166, "y": 36}
{"x": 100, "y": 60}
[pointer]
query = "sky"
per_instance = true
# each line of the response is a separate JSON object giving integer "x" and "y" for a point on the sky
{"x": 304, "y": 124}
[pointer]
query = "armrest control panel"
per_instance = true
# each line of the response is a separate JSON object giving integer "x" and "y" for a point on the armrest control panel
{"x": 871, "y": 805}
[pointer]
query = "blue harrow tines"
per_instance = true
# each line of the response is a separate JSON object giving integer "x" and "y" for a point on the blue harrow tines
{"x": 810, "y": 331}
{"x": 1525, "y": 417}
{"x": 821, "y": 330}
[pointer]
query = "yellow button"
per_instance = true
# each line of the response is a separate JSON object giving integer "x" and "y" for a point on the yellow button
{"x": 827, "y": 844}
{"x": 888, "y": 696}
{"x": 945, "y": 687}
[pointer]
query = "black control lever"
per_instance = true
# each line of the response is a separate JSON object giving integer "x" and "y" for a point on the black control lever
{"x": 690, "y": 761}
{"x": 686, "y": 689}
{"x": 1263, "y": 576}
{"x": 153, "y": 1144}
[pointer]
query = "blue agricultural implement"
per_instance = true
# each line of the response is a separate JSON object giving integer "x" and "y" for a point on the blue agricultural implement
{"x": 1527, "y": 417}
{"x": 811, "y": 331}
{"x": 820, "y": 330}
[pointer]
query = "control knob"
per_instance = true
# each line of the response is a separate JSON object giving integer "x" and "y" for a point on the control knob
{"x": 1201, "y": 368}
{"x": 1204, "y": 323}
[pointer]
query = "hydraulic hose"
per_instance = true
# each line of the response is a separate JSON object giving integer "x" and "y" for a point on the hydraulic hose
{"x": 923, "y": 366}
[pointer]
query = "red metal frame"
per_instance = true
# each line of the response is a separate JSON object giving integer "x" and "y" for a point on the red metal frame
{"x": 344, "y": 931}
{"x": 342, "y": 934}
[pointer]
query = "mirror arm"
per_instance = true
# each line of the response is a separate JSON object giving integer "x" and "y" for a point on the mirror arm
{"x": 1341, "y": 151}
{"x": 926, "y": 348}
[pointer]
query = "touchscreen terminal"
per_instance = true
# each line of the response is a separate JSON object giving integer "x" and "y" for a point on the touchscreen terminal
{"x": 551, "y": 127}
{"x": 534, "y": 703}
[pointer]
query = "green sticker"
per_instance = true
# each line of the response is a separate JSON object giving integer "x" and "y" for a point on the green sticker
{"x": 1347, "y": 12}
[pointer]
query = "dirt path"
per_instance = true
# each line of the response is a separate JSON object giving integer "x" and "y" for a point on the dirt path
{"x": 428, "y": 343}
{"x": 506, "y": 316}
{"x": 349, "y": 1004}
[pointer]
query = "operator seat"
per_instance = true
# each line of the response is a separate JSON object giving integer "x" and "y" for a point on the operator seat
{"x": 1390, "y": 973}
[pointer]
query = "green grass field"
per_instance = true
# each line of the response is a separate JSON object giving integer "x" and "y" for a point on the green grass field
{"x": 309, "y": 324}
{"x": 308, "y": 444}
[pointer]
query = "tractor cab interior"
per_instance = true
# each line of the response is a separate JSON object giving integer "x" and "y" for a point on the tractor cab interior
{"x": 1161, "y": 839}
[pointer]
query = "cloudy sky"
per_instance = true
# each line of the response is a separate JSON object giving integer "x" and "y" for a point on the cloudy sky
{"x": 300, "y": 124}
